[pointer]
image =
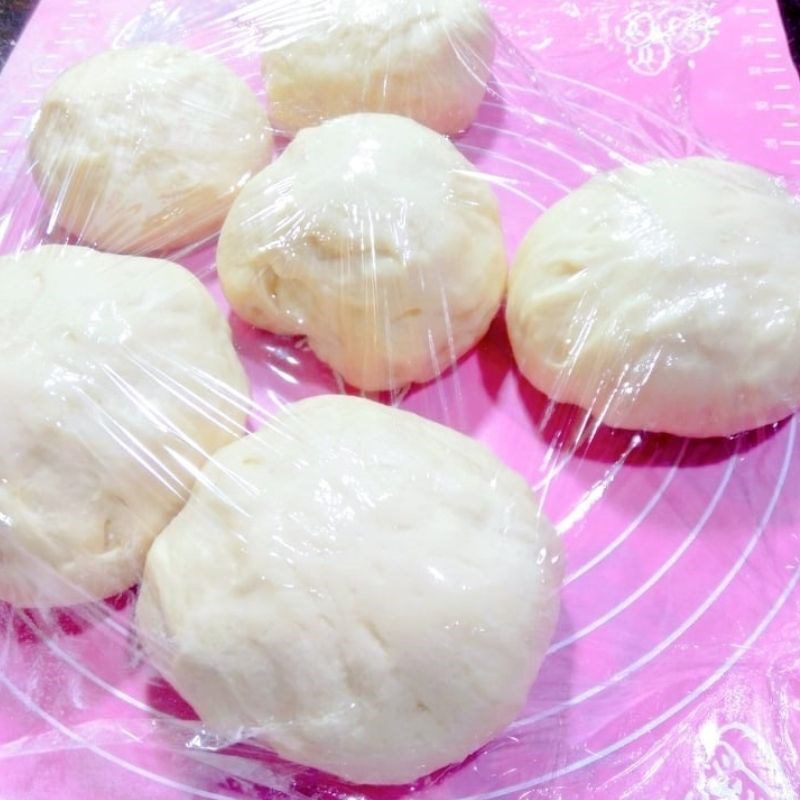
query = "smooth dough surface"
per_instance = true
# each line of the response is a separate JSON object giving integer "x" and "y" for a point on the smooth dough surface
{"x": 117, "y": 379}
{"x": 665, "y": 297}
{"x": 368, "y": 592}
{"x": 428, "y": 60}
{"x": 143, "y": 150}
{"x": 375, "y": 238}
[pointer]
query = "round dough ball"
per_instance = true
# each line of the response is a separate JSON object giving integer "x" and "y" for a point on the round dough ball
{"x": 428, "y": 60}
{"x": 665, "y": 297}
{"x": 368, "y": 592}
{"x": 376, "y": 239}
{"x": 143, "y": 150}
{"x": 117, "y": 380}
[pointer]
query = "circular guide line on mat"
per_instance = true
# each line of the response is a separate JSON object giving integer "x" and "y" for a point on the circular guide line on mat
{"x": 654, "y": 500}
{"x": 119, "y": 695}
{"x": 661, "y": 718}
{"x": 739, "y": 651}
{"x": 560, "y": 185}
{"x": 56, "y": 724}
{"x": 659, "y": 573}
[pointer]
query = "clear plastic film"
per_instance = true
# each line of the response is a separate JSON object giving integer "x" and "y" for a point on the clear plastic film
{"x": 367, "y": 256}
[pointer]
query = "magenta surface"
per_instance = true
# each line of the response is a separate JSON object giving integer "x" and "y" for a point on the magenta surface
{"x": 674, "y": 670}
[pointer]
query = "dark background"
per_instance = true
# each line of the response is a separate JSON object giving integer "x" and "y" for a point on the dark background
{"x": 14, "y": 13}
{"x": 791, "y": 21}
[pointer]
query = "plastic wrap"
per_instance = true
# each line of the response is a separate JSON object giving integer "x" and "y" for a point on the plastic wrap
{"x": 672, "y": 670}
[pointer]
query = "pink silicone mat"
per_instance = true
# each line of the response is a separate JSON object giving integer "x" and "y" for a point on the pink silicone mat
{"x": 674, "y": 669}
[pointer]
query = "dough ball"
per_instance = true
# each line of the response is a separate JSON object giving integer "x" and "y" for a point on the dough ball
{"x": 428, "y": 60}
{"x": 367, "y": 592}
{"x": 665, "y": 297}
{"x": 376, "y": 239}
{"x": 143, "y": 150}
{"x": 117, "y": 380}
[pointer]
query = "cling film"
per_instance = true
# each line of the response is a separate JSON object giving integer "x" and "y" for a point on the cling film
{"x": 672, "y": 668}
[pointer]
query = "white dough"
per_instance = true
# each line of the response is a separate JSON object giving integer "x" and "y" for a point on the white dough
{"x": 375, "y": 238}
{"x": 143, "y": 150}
{"x": 117, "y": 379}
{"x": 428, "y": 60}
{"x": 665, "y": 298}
{"x": 368, "y": 592}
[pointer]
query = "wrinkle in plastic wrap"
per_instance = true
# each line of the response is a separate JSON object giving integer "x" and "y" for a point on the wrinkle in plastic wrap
{"x": 673, "y": 669}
